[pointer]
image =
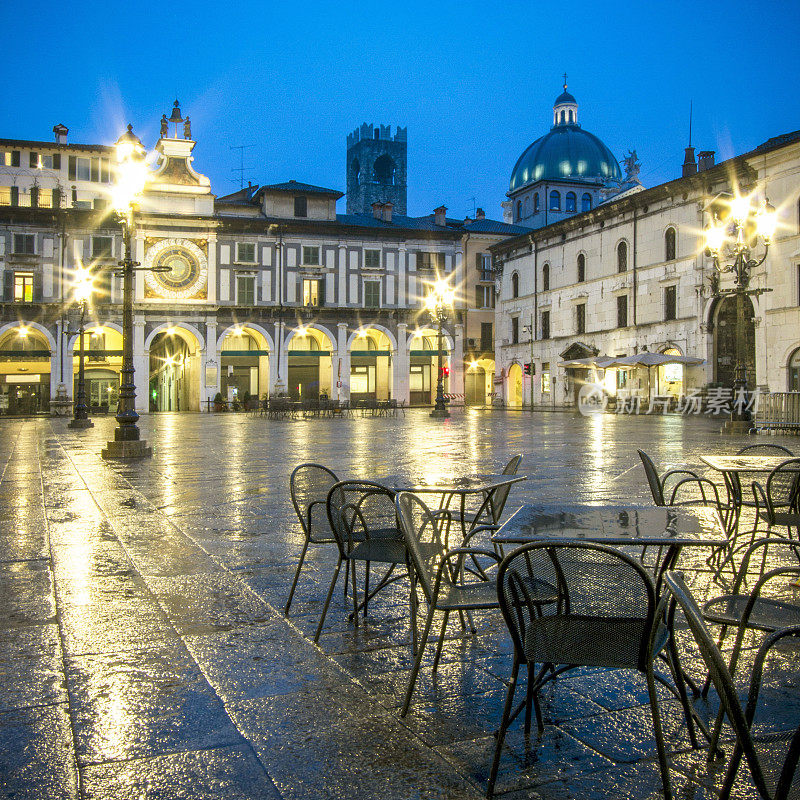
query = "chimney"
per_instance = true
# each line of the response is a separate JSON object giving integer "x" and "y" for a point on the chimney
{"x": 377, "y": 210}
{"x": 480, "y": 214}
{"x": 705, "y": 160}
{"x": 60, "y": 132}
{"x": 386, "y": 214}
{"x": 439, "y": 216}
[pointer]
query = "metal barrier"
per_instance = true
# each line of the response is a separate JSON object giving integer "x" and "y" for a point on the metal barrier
{"x": 778, "y": 411}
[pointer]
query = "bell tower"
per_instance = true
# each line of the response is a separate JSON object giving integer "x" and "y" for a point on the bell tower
{"x": 376, "y": 168}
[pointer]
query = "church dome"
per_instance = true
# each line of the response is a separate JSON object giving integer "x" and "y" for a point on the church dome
{"x": 566, "y": 153}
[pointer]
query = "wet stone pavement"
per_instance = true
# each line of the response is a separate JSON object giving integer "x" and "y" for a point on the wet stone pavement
{"x": 144, "y": 653}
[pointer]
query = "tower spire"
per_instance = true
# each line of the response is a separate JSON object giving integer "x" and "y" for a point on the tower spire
{"x": 565, "y": 81}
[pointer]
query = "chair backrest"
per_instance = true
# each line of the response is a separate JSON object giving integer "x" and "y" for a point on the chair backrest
{"x": 742, "y": 480}
{"x": 360, "y": 510}
{"x": 577, "y": 603}
{"x": 783, "y": 485}
{"x": 424, "y": 539}
{"x": 740, "y": 719}
{"x": 309, "y": 485}
{"x": 498, "y": 500}
{"x": 656, "y": 489}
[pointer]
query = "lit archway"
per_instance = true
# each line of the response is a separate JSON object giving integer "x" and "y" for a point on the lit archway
{"x": 725, "y": 335}
{"x": 174, "y": 370}
{"x": 103, "y": 353}
{"x": 24, "y": 370}
{"x": 371, "y": 365}
{"x": 244, "y": 357}
{"x": 515, "y": 386}
{"x": 309, "y": 355}
{"x": 424, "y": 365}
{"x": 670, "y": 376}
{"x": 478, "y": 377}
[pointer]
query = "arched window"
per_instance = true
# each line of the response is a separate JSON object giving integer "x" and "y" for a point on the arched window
{"x": 622, "y": 257}
{"x": 515, "y": 284}
{"x": 794, "y": 371}
{"x": 355, "y": 170}
{"x": 571, "y": 202}
{"x": 669, "y": 244}
{"x": 384, "y": 169}
{"x": 586, "y": 202}
{"x": 519, "y": 209}
{"x": 581, "y": 268}
{"x": 570, "y": 115}
{"x": 555, "y": 201}
{"x": 563, "y": 116}
{"x": 536, "y": 203}
{"x": 546, "y": 278}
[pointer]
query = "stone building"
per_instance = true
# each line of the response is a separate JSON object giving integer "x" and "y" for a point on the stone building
{"x": 267, "y": 290}
{"x": 631, "y": 275}
{"x": 377, "y": 168}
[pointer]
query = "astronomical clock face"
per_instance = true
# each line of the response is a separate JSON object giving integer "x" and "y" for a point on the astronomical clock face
{"x": 187, "y": 275}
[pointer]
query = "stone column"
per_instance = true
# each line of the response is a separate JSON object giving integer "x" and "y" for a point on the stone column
{"x": 209, "y": 365}
{"x": 141, "y": 365}
{"x": 457, "y": 364}
{"x": 341, "y": 371}
{"x": 401, "y": 366}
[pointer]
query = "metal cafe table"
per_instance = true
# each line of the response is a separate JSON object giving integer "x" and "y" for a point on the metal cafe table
{"x": 448, "y": 489}
{"x": 669, "y": 527}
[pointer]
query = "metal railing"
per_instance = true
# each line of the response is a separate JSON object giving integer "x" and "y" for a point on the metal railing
{"x": 778, "y": 411}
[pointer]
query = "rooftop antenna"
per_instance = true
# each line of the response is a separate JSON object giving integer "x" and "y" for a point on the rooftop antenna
{"x": 474, "y": 201}
{"x": 241, "y": 168}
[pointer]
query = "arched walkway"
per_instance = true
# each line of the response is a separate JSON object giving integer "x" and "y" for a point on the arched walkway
{"x": 174, "y": 356}
{"x": 25, "y": 351}
{"x": 103, "y": 353}
{"x": 424, "y": 365}
{"x": 370, "y": 365}
{"x": 515, "y": 386}
{"x": 309, "y": 351}
{"x": 244, "y": 356}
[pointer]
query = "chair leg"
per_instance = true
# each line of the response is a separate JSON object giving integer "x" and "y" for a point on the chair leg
{"x": 328, "y": 599}
{"x": 418, "y": 660}
{"x": 355, "y": 592}
{"x": 366, "y": 587}
{"x": 440, "y": 642}
{"x": 659, "y": 733}
{"x": 296, "y": 577}
{"x": 501, "y": 733}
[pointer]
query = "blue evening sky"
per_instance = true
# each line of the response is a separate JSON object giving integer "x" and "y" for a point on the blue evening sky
{"x": 473, "y": 82}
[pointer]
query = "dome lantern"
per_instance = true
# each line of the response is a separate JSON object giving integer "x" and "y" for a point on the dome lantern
{"x": 565, "y": 108}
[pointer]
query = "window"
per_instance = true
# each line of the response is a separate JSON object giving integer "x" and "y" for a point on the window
{"x": 794, "y": 372}
{"x": 310, "y": 256}
{"x": 670, "y": 302}
{"x": 313, "y": 293}
{"x": 536, "y": 203}
{"x": 514, "y": 330}
{"x": 430, "y": 261}
{"x": 9, "y": 158}
{"x": 519, "y": 209}
{"x": 372, "y": 259}
{"x": 483, "y": 261}
{"x": 669, "y": 244}
{"x": 555, "y": 201}
{"x": 23, "y": 244}
{"x": 580, "y": 318}
{"x": 372, "y": 294}
{"x": 245, "y": 252}
{"x": 581, "y": 267}
{"x": 622, "y": 311}
{"x": 80, "y": 168}
{"x": 102, "y": 247}
{"x": 300, "y": 206}
{"x": 586, "y": 202}
{"x": 545, "y": 377}
{"x": 245, "y": 290}
{"x": 23, "y": 287}
{"x": 545, "y": 324}
{"x": 484, "y": 297}
{"x": 486, "y": 336}
{"x": 571, "y": 202}
{"x": 546, "y": 278}
{"x": 515, "y": 284}
{"x": 622, "y": 257}
{"x": 97, "y": 345}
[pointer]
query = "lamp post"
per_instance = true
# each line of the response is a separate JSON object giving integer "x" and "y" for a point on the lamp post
{"x": 131, "y": 177}
{"x": 438, "y": 303}
{"x": 731, "y": 240}
{"x": 83, "y": 293}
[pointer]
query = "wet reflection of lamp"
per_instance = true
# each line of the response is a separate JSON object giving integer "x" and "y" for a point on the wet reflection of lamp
{"x": 438, "y": 303}
{"x": 83, "y": 294}
{"x": 731, "y": 241}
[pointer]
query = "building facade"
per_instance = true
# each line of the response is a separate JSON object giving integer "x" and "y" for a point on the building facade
{"x": 264, "y": 291}
{"x": 632, "y": 275}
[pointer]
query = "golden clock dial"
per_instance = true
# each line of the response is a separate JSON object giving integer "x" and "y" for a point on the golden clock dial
{"x": 183, "y": 268}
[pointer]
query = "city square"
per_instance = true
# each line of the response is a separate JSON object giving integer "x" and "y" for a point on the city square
{"x": 146, "y": 654}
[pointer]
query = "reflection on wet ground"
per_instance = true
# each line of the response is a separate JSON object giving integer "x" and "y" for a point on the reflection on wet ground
{"x": 143, "y": 653}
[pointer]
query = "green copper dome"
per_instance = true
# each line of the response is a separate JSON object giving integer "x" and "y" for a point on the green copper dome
{"x": 567, "y": 152}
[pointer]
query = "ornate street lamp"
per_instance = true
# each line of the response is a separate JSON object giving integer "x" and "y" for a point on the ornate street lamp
{"x": 83, "y": 294}
{"x": 731, "y": 241}
{"x": 131, "y": 178}
{"x": 438, "y": 303}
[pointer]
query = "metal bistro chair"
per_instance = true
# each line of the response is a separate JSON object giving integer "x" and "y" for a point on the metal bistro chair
{"x": 309, "y": 486}
{"x": 603, "y": 615}
{"x": 778, "y": 504}
{"x": 363, "y": 520}
{"x": 438, "y": 570}
{"x": 771, "y": 748}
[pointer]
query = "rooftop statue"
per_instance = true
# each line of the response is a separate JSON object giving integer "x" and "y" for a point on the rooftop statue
{"x": 632, "y": 167}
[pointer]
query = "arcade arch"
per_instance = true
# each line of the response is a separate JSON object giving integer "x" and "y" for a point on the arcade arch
{"x": 174, "y": 355}
{"x": 25, "y": 352}
{"x": 309, "y": 363}
{"x": 244, "y": 357}
{"x": 370, "y": 365}
{"x": 424, "y": 364}
{"x": 515, "y": 386}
